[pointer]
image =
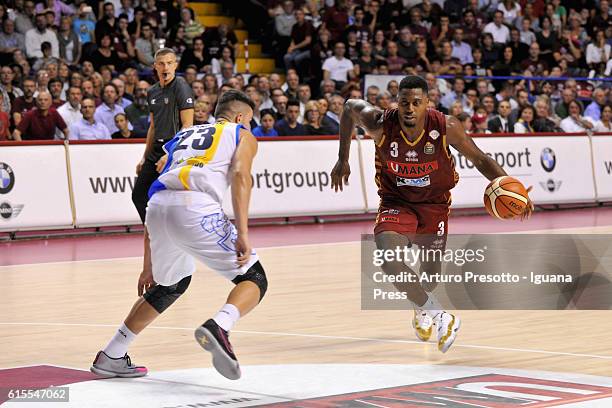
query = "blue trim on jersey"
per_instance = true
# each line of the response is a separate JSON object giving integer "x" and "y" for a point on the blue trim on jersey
{"x": 168, "y": 148}
{"x": 238, "y": 127}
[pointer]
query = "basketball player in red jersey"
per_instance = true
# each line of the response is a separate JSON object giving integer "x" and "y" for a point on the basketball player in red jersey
{"x": 415, "y": 172}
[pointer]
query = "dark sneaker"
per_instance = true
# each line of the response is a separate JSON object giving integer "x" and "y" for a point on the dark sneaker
{"x": 116, "y": 367}
{"x": 216, "y": 340}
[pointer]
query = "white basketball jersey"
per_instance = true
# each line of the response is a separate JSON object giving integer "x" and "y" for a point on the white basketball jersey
{"x": 199, "y": 159}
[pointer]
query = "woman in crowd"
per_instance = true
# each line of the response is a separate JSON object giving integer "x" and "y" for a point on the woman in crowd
{"x": 575, "y": 122}
{"x": 466, "y": 121}
{"x": 456, "y": 109}
{"x": 69, "y": 44}
{"x": 525, "y": 121}
{"x": 122, "y": 124}
{"x": 266, "y": 129}
{"x": 312, "y": 120}
{"x": 227, "y": 55}
{"x": 604, "y": 124}
{"x": 195, "y": 56}
{"x": 490, "y": 53}
{"x": 105, "y": 54}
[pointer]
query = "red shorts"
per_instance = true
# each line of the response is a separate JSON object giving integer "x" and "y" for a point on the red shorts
{"x": 429, "y": 221}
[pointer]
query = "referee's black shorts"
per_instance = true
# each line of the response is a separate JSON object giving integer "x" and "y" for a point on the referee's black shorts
{"x": 148, "y": 174}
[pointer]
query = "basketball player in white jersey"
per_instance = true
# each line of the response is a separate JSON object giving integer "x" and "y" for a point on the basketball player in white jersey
{"x": 185, "y": 221}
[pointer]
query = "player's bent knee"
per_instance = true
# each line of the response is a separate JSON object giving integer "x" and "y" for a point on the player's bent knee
{"x": 257, "y": 275}
{"x": 162, "y": 297}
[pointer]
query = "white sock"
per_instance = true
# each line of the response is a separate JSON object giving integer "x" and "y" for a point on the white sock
{"x": 120, "y": 342}
{"x": 431, "y": 306}
{"x": 227, "y": 317}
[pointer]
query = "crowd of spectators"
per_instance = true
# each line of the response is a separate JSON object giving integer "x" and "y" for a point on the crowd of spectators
{"x": 81, "y": 69}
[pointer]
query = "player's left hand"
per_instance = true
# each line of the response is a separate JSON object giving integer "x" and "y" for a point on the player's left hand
{"x": 159, "y": 166}
{"x": 340, "y": 175}
{"x": 243, "y": 249}
{"x": 529, "y": 207}
{"x": 145, "y": 281}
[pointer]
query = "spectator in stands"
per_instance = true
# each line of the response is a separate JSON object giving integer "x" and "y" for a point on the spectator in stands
{"x": 4, "y": 121}
{"x": 323, "y": 105}
{"x": 83, "y": 25}
{"x": 575, "y": 122}
{"x": 268, "y": 119}
{"x": 331, "y": 120}
{"x": 338, "y": 68}
{"x": 280, "y": 106}
{"x": 303, "y": 96}
{"x": 71, "y": 110}
{"x": 196, "y": 56}
{"x": 10, "y": 40}
{"x": 522, "y": 99}
{"x": 88, "y": 128}
{"x": 35, "y": 37}
{"x": 490, "y": 104}
{"x": 500, "y": 33}
{"x": 177, "y": 40}
{"x": 46, "y": 59}
{"x": 105, "y": 54}
{"x": 394, "y": 61}
{"x": 216, "y": 39}
{"x": 455, "y": 109}
{"x": 40, "y": 123}
{"x": 225, "y": 58}
{"x": 520, "y": 50}
{"x": 193, "y": 28}
{"x": 361, "y": 30}
{"x": 544, "y": 122}
{"x": 69, "y": 44}
{"x": 336, "y": 19}
{"x": 6, "y": 85}
{"x": 434, "y": 100}
{"x": 24, "y": 103}
{"x": 598, "y": 52}
{"x": 526, "y": 31}
{"x": 312, "y": 120}
{"x": 457, "y": 94}
{"x": 406, "y": 48}
{"x": 537, "y": 65}
{"x": 479, "y": 121}
{"x": 511, "y": 9}
{"x": 191, "y": 74}
{"x": 24, "y": 17}
{"x": 138, "y": 112}
{"x": 105, "y": 113}
{"x": 298, "y": 52}
{"x": 55, "y": 89}
{"x": 371, "y": 94}
{"x": 106, "y": 20}
{"x": 290, "y": 87}
{"x": 227, "y": 73}
{"x": 124, "y": 132}
{"x": 365, "y": 64}
{"x": 441, "y": 32}
{"x": 126, "y": 9}
{"x": 567, "y": 96}
{"x": 525, "y": 121}
{"x": 201, "y": 113}
{"x": 146, "y": 46}
{"x": 383, "y": 100}
{"x": 121, "y": 97}
{"x": 289, "y": 126}
{"x": 59, "y": 8}
{"x": 461, "y": 50}
{"x": 604, "y": 124}
{"x": 283, "y": 24}
{"x": 593, "y": 110}
{"x": 501, "y": 123}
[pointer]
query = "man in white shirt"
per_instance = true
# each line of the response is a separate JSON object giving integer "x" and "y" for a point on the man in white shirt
{"x": 500, "y": 33}
{"x": 36, "y": 36}
{"x": 88, "y": 128}
{"x": 71, "y": 110}
{"x": 338, "y": 68}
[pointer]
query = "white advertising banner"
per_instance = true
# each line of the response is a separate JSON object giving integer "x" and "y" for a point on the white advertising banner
{"x": 602, "y": 166}
{"x": 557, "y": 168}
{"x": 103, "y": 176}
{"x": 34, "y": 188}
{"x": 292, "y": 178}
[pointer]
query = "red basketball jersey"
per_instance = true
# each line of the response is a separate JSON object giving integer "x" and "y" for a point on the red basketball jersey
{"x": 422, "y": 171}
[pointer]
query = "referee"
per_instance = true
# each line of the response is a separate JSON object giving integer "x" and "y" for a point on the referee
{"x": 171, "y": 106}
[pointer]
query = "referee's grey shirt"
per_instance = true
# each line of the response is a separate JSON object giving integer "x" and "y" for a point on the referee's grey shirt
{"x": 166, "y": 103}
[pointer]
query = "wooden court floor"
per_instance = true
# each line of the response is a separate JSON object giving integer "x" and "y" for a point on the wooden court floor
{"x": 63, "y": 313}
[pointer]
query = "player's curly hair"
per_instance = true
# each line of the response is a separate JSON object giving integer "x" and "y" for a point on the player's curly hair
{"x": 414, "y": 82}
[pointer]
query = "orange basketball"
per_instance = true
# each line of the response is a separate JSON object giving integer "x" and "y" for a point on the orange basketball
{"x": 505, "y": 198}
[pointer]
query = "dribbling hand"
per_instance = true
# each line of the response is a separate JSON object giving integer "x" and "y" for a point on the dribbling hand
{"x": 145, "y": 281}
{"x": 340, "y": 175}
{"x": 243, "y": 249}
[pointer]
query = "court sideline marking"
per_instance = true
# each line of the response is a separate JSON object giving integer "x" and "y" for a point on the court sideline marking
{"x": 327, "y": 337}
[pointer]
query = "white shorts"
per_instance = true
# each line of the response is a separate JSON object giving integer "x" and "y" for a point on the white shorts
{"x": 182, "y": 227}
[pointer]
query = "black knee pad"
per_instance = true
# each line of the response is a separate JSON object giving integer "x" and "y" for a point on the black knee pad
{"x": 162, "y": 297}
{"x": 257, "y": 275}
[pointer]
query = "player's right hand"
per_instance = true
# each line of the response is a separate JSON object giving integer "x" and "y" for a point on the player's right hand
{"x": 145, "y": 281}
{"x": 139, "y": 166}
{"x": 243, "y": 249}
{"x": 340, "y": 175}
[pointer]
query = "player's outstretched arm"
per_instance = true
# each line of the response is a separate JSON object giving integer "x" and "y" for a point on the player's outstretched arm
{"x": 356, "y": 112}
{"x": 486, "y": 165}
{"x": 241, "y": 191}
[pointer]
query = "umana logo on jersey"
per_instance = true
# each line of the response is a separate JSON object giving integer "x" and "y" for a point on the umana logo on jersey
{"x": 411, "y": 170}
